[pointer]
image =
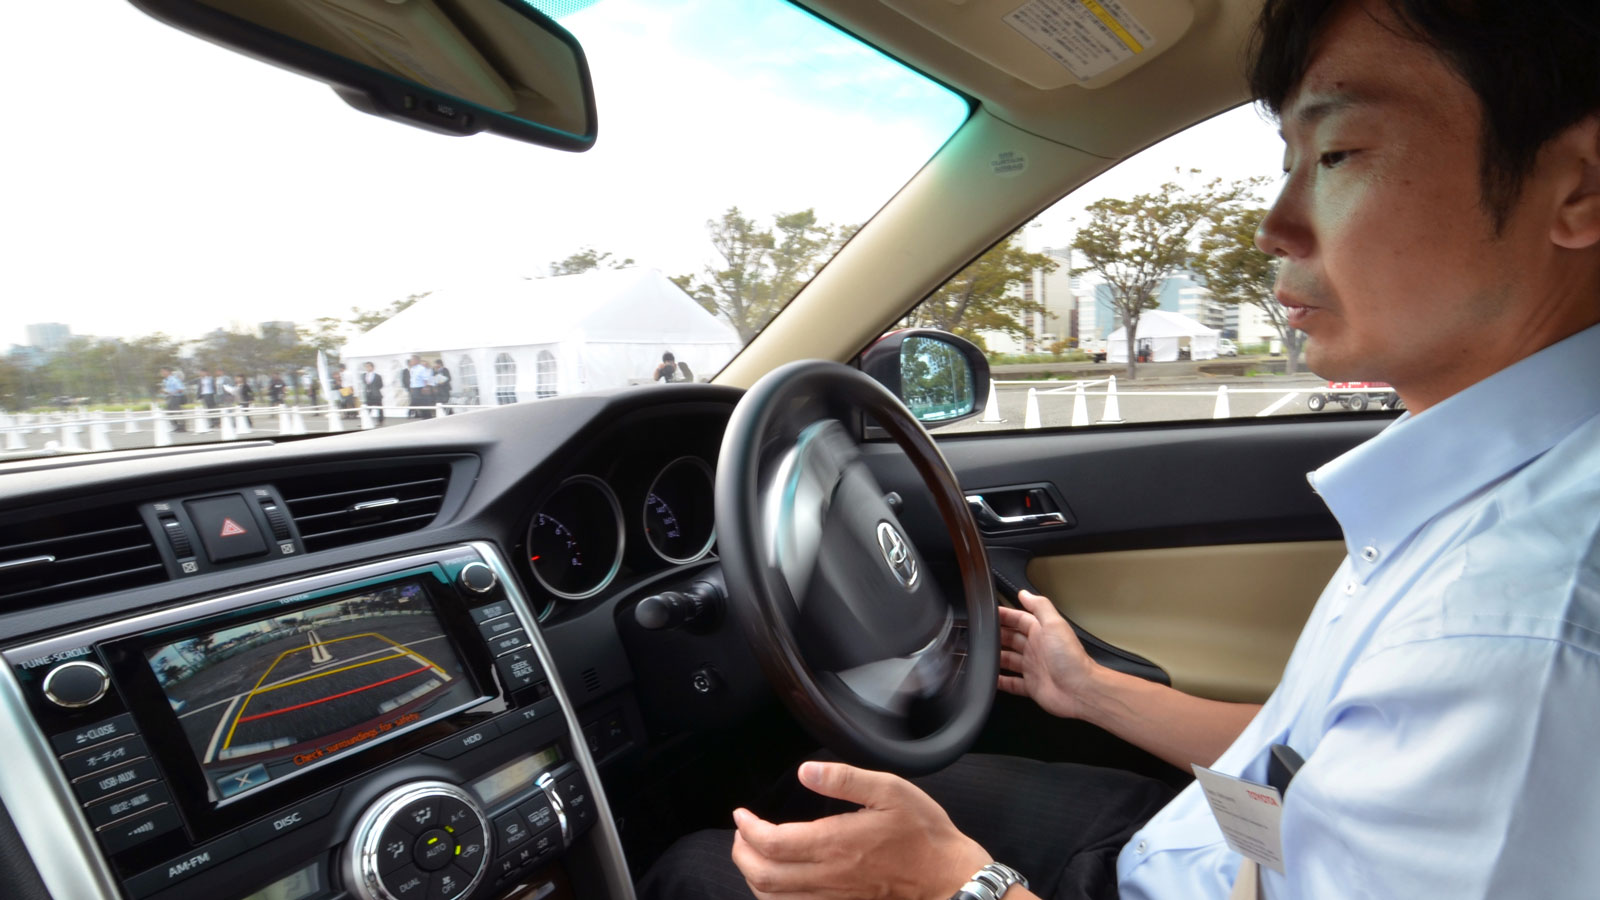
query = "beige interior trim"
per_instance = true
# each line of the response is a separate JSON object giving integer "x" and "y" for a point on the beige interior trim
{"x": 1220, "y": 620}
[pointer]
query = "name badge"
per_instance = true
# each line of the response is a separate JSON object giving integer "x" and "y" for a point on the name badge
{"x": 1249, "y": 814}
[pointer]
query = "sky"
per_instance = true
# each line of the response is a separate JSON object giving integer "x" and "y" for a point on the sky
{"x": 161, "y": 183}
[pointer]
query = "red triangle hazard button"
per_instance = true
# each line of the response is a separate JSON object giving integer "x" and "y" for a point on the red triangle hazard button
{"x": 231, "y": 528}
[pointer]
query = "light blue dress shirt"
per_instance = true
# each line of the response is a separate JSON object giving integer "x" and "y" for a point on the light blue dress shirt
{"x": 1445, "y": 692}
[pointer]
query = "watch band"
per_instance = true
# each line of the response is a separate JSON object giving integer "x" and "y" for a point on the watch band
{"x": 990, "y": 883}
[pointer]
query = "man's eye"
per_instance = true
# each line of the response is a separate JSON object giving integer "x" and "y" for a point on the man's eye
{"x": 1333, "y": 158}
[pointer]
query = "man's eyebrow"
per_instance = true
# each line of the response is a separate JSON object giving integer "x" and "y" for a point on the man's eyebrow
{"x": 1313, "y": 107}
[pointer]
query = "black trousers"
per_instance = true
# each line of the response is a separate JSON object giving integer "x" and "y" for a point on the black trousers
{"x": 1059, "y": 824}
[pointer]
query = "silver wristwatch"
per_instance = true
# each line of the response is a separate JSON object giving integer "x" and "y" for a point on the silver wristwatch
{"x": 990, "y": 883}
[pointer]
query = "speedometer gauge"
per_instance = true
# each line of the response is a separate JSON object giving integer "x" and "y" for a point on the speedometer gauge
{"x": 679, "y": 519}
{"x": 575, "y": 539}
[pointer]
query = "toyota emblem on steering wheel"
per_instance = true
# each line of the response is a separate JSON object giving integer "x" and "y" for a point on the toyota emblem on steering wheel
{"x": 897, "y": 553}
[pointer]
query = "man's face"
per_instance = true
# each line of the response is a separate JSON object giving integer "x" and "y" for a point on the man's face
{"x": 1388, "y": 261}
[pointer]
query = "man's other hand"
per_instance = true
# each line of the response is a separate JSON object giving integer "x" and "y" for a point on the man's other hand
{"x": 1050, "y": 662}
{"x": 900, "y": 844}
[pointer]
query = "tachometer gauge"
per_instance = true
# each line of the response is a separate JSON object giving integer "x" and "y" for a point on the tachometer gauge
{"x": 575, "y": 539}
{"x": 679, "y": 518}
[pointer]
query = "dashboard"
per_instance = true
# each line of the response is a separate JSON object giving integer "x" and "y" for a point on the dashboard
{"x": 379, "y": 665}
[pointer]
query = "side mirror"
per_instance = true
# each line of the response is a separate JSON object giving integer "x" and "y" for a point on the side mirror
{"x": 940, "y": 377}
{"x": 450, "y": 66}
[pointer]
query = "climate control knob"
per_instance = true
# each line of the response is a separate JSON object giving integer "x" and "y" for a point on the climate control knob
{"x": 427, "y": 839}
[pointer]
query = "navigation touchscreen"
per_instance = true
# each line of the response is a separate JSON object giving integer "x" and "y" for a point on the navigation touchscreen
{"x": 267, "y": 699}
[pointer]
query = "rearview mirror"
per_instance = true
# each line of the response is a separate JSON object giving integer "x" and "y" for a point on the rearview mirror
{"x": 450, "y": 66}
{"x": 940, "y": 377}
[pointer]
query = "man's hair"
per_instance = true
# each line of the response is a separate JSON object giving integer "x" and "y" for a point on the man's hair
{"x": 1533, "y": 64}
{"x": 668, "y": 357}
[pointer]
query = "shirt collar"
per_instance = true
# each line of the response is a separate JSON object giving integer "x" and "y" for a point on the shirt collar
{"x": 1383, "y": 491}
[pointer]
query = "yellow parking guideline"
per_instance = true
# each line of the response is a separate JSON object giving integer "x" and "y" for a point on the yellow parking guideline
{"x": 1110, "y": 21}
{"x": 227, "y": 741}
{"x": 317, "y": 675}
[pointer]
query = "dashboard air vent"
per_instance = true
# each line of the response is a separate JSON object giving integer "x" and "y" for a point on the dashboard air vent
{"x": 363, "y": 502}
{"x": 79, "y": 554}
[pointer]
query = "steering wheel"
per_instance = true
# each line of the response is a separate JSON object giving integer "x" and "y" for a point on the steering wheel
{"x": 848, "y": 623}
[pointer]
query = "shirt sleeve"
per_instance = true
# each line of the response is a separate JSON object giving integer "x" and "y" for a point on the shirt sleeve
{"x": 1458, "y": 767}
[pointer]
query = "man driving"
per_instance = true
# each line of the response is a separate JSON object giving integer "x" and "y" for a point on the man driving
{"x": 1438, "y": 229}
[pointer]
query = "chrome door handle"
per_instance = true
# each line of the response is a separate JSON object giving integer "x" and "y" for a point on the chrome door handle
{"x": 989, "y": 520}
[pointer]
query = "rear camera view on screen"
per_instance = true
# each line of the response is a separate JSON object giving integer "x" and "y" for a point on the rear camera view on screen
{"x": 273, "y": 697}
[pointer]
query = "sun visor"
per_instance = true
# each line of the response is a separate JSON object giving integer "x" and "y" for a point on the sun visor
{"x": 1055, "y": 43}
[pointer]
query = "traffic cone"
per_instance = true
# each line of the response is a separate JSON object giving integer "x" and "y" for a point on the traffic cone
{"x": 1080, "y": 409}
{"x": 333, "y": 420}
{"x": 130, "y": 425}
{"x": 1030, "y": 418}
{"x": 99, "y": 436}
{"x": 160, "y": 428}
{"x": 241, "y": 422}
{"x": 69, "y": 438}
{"x": 1113, "y": 411}
{"x": 1221, "y": 409}
{"x": 202, "y": 422}
{"x": 991, "y": 410}
{"x": 297, "y": 422}
{"x": 365, "y": 416}
{"x": 283, "y": 421}
{"x": 15, "y": 439}
{"x": 228, "y": 432}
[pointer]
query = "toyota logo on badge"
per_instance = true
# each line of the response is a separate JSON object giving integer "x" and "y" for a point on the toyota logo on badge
{"x": 897, "y": 553}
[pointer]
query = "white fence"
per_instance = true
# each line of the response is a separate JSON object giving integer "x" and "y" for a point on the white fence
{"x": 1107, "y": 389}
{"x": 84, "y": 431}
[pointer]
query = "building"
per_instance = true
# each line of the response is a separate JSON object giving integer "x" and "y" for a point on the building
{"x": 49, "y": 336}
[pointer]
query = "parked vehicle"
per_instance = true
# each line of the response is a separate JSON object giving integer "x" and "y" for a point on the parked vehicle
{"x": 1356, "y": 395}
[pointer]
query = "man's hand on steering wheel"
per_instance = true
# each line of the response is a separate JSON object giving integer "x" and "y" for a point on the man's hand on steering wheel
{"x": 1051, "y": 664}
{"x": 899, "y": 844}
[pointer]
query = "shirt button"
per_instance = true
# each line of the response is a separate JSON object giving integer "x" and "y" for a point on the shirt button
{"x": 1142, "y": 847}
{"x": 1369, "y": 553}
{"x": 1349, "y": 587}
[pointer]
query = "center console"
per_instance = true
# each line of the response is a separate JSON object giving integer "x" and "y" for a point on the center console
{"x": 386, "y": 732}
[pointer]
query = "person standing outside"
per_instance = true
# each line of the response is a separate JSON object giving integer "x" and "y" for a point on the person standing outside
{"x": 421, "y": 387}
{"x": 441, "y": 384}
{"x": 372, "y": 388}
{"x": 206, "y": 391}
{"x": 172, "y": 389}
{"x": 668, "y": 370}
{"x": 244, "y": 394}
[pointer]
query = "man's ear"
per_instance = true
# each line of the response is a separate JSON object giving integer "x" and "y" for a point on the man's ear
{"x": 1576, "y": 225}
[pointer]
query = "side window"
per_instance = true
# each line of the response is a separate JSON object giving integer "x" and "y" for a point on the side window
{"x": 1140, "y": 297}
{"x": 505, "y": 379}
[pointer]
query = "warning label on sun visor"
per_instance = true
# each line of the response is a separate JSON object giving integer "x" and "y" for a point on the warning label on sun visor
{"x": 1086, "y": 36}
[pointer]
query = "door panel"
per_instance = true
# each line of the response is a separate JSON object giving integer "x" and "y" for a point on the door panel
{"x": 1220, "y": 621}
{"x": 1200, "y": 547}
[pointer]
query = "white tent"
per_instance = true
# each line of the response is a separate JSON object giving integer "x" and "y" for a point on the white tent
{"x": 1167, "y": 333}
{"x": 522, "y": 340}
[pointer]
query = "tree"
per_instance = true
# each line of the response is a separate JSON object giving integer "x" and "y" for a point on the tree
{"x": 326, "y": 333}
{"x": 761, "y": 267}
{"x": 1237, "y": 272}
{"x": 587, "y": 260}
{"x": 990, "y": 295}
{"x": 1135, "y": 245}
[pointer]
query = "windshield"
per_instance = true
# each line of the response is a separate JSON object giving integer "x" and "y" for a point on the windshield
{"x": 202, "y": 247}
